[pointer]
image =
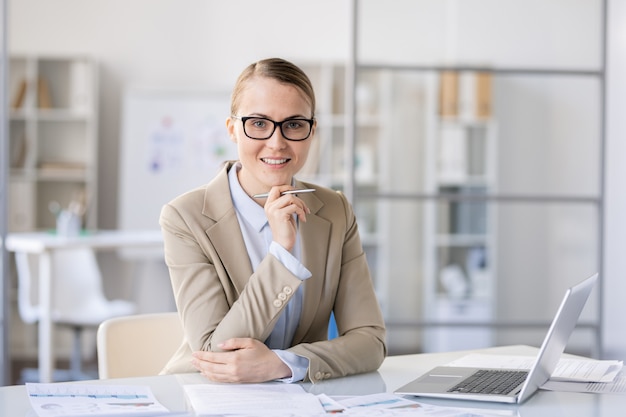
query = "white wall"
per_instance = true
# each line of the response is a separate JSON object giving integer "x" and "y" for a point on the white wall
{"x": 172, "y": 44}
{"x": 205, "y": 43}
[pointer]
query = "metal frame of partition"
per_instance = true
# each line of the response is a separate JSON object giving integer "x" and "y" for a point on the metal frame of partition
{"x": 4, "y": 179}
{"x": 353, "y": 67}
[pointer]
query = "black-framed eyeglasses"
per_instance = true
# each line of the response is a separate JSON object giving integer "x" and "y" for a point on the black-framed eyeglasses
{"x": 262, "y": 128}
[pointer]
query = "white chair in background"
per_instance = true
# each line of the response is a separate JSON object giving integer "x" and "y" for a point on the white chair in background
{"x": 138, "y": 345}
{"x": 78, "y": 299}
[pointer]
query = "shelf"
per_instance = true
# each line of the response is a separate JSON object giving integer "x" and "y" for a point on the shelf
{"x": 459, "y": 240}
{"x": 63, "y": 172}
{"x": 468, "y": 181}
{"x": 63, "y": 115}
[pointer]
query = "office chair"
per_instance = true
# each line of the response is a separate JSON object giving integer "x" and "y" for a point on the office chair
{"x": 77, "y": 298}
{"x": 138, "y": 345}
{"x": 141, "y": 344}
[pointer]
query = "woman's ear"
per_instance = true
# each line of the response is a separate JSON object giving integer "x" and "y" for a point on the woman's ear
{"x": 314, "y": 127}
{"x": 230, "y": 128}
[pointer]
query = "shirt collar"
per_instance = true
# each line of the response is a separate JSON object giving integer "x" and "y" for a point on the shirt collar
{"x": 249, "y": 210}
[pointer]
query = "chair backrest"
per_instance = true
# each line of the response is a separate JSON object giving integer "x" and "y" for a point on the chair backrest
{"x": 137, "y": 345}
{"x": 27, "y": 286}
{"x": 77, "y": 291}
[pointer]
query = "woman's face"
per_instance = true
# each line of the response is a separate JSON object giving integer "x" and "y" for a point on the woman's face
{"x": 274, "y": 161}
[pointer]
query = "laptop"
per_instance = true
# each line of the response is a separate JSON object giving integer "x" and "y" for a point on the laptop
{"x": 452, "y": 382}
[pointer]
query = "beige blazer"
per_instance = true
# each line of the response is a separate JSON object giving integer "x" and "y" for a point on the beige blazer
{"x": 219, "y": 296}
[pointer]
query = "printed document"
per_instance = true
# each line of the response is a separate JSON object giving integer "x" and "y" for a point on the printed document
{"x": 252, "y": 399}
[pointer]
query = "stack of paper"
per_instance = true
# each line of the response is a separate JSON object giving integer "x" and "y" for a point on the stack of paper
{"x": 574, "y": 375}
{"x": 281, "y": 400}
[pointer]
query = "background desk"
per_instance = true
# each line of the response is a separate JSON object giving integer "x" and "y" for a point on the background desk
{"x": 42, "y": 244}
{"x": 394, "y": 372}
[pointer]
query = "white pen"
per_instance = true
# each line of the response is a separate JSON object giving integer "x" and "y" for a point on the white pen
{"x": 306, "y": 190}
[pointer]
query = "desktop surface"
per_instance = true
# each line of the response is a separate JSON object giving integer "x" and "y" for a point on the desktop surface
{"x": 37, "y": 242}
{"x": 395, "y": 371}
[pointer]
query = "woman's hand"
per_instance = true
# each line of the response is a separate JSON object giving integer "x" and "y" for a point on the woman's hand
{"x": 244, "y": 360}
{"x": 279, "y": 210}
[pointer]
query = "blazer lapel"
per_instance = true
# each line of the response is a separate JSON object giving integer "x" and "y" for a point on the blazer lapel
{"x": 314, "y": 234}
{"x": 230, "y": 246}
{"x": 231, "y": 250}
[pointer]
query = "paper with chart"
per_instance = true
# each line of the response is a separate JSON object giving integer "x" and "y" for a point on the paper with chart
{"x": 55, "y": 400}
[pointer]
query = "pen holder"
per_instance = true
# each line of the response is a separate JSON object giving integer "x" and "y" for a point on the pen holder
{"x": 68, "y": 223}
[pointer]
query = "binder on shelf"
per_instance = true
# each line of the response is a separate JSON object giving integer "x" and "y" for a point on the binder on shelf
{"x": 452, "y": 154}
{"x": 18, "y": 100}
{"x": 475, "y": 95}
{"x": 80, "y": 80}
{"x": 483, "y": 95}
{"x": 44, "y": 99}
{"x": 449, "y": 94}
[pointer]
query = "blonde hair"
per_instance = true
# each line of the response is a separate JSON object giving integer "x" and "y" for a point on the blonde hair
{"x": 278, "y": 69}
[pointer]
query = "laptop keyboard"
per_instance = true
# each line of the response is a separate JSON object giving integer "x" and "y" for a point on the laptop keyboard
{"x": 483, "y": 381}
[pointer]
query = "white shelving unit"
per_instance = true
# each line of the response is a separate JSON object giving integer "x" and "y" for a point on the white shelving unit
{"x": 447, "y": 235}
{"x": 460, "y": 243}
{"x": 52, "y": 138}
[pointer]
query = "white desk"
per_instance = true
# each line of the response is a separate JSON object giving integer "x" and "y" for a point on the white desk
{"x": 43, "y": 244}
{"x": 395, "y": 372}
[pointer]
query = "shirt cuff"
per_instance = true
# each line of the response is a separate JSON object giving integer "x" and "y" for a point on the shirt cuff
{"x": 291, "y": 262}
{"x": 298, "y": 365}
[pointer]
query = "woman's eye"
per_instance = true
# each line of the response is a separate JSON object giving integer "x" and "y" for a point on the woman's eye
{"x": 259, "y": 123}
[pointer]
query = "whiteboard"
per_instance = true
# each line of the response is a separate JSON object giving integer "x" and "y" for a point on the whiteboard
{"x": 171, "y": 142}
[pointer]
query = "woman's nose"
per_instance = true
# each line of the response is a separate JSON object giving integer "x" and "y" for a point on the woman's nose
{"x": 277, "y": 140}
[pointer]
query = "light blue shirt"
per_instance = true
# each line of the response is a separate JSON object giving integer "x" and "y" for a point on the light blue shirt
{"x": 257, "y": 236}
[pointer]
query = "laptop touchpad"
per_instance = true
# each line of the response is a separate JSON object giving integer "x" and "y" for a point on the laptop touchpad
{"x": 440, "y": 379}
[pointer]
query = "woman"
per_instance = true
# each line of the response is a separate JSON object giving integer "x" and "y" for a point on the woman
{"x": 256, "y": 278}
